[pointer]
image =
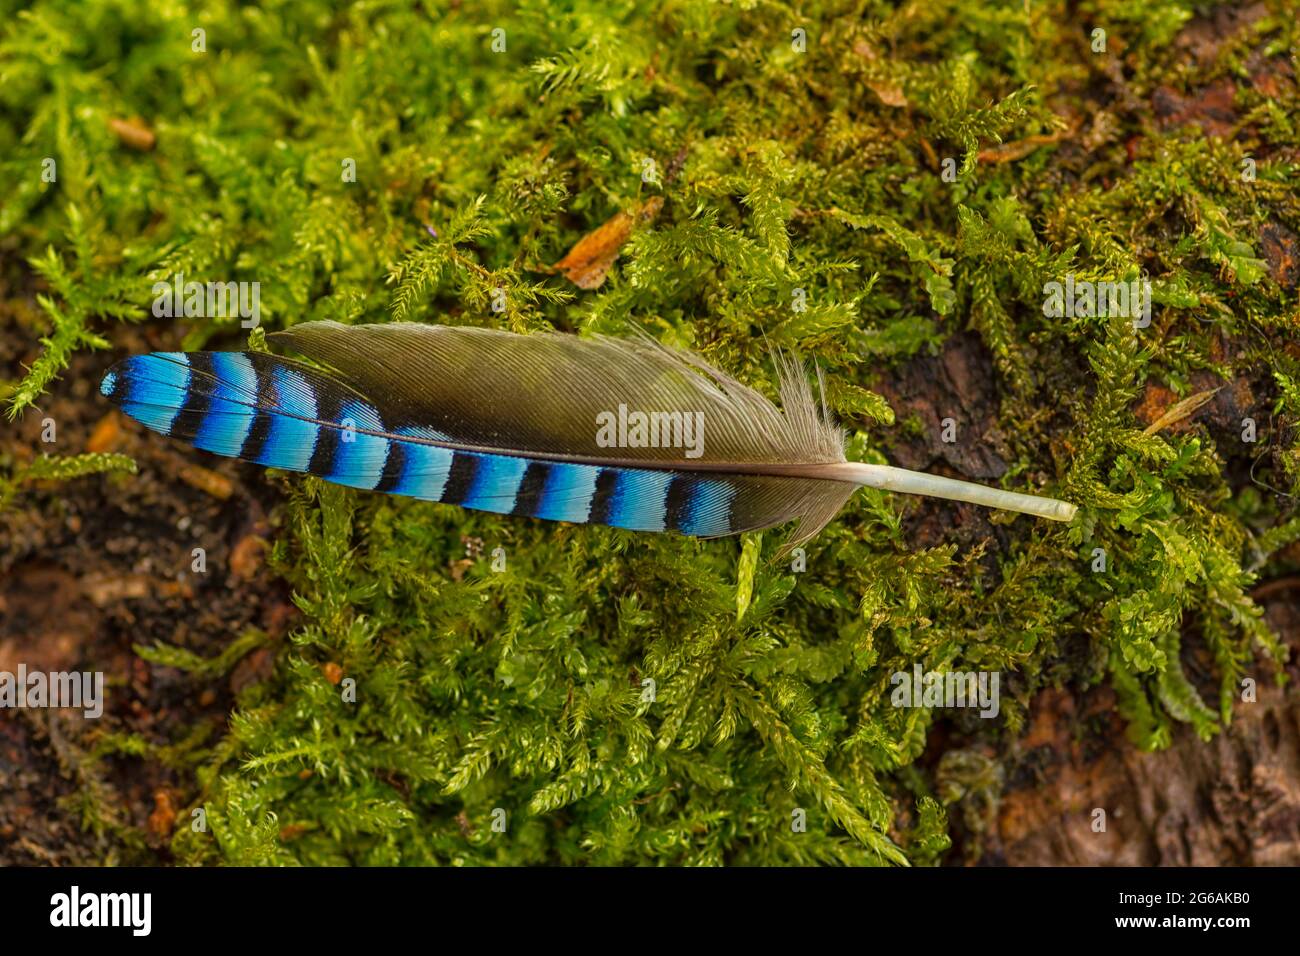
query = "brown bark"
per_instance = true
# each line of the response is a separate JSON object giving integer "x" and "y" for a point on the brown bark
{"x": 1232, "y": 801}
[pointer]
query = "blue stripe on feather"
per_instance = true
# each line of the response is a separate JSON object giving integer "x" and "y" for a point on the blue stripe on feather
{"x": 495, "y": 484}
{"x": 638, "y": 502}
{"x": 231, "y": 412}
{"x": 293, "y": 393}
{"x": 359, "y": 458}
{"x": 292, "y": 440}
{"x": 154, "y": 388}
{"x": 424, "y": 473}
{"x": 708, "y": 509}
{"x": 566, "y": 496}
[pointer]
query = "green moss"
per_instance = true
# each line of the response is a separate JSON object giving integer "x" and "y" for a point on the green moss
{"x": 524, "y": 689}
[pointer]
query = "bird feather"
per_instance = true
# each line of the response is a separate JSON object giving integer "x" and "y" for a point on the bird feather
{"x": 517, "y": 424}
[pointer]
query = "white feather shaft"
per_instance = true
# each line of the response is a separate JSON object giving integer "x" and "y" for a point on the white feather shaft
{"x": 919, "y": 483}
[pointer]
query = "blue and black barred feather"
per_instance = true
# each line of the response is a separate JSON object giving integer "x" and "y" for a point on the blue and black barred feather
{"x": 497, "y": 422}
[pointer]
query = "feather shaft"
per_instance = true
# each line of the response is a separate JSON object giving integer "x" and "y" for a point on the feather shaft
{"x": 890, "y": 478}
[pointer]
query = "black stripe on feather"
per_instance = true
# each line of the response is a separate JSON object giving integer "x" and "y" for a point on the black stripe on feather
{"x": 529, "y": 495}
{"x": 197, "y": 400}
{"x": 459, "y": 478}
{"x": 328, "y": 409}
{"x": 602, "y": 497}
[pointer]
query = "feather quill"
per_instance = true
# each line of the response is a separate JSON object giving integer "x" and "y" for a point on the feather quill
{"x": 512, "y": 424}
